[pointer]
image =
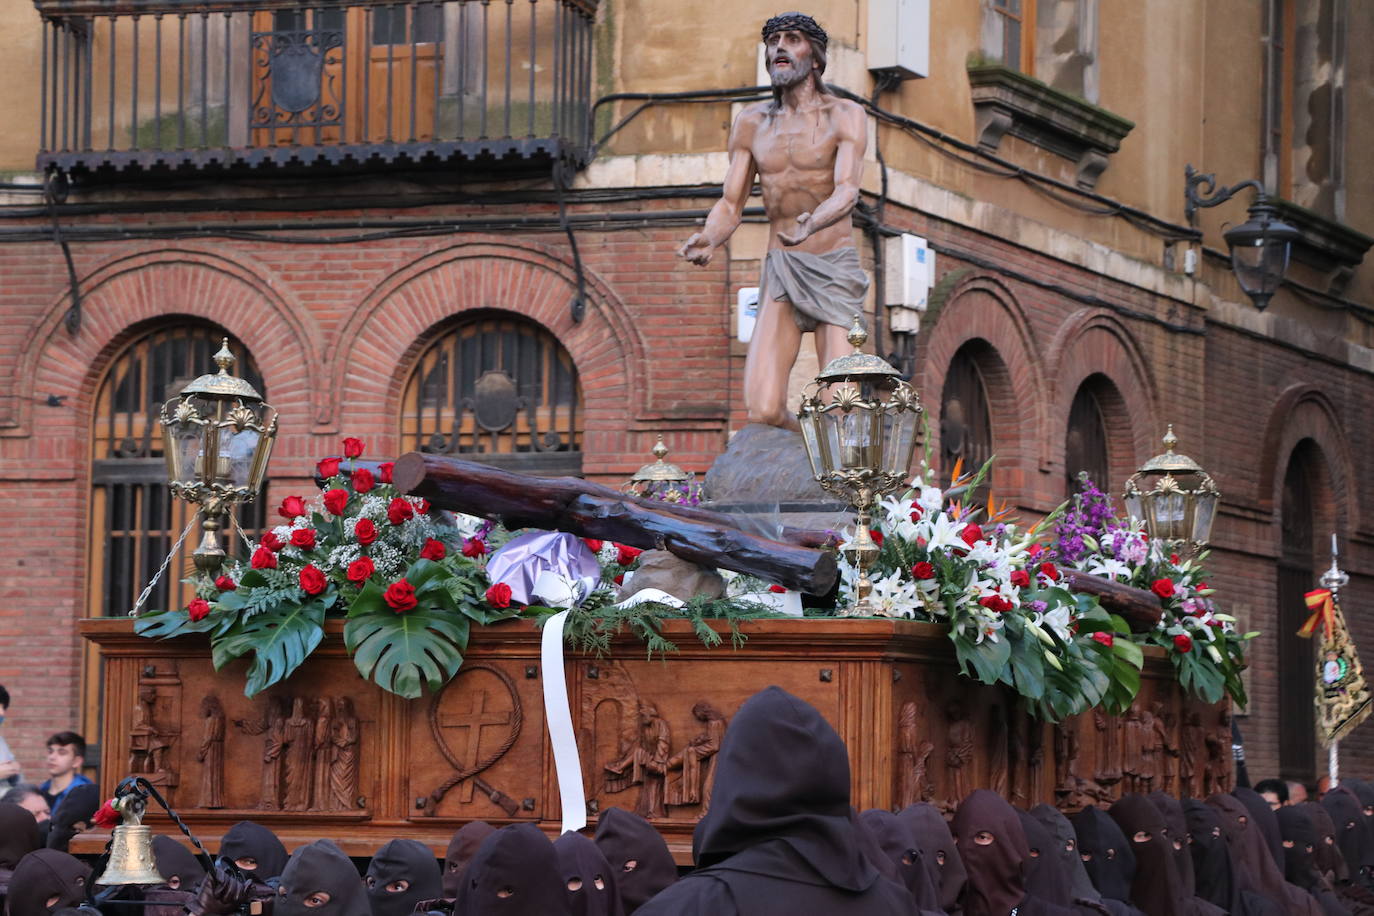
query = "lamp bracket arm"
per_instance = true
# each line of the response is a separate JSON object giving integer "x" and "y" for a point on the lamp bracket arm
{"x": 1200, "y": 190}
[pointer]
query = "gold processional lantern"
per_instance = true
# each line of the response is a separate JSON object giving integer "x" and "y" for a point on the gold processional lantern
{"x": 660, "y": 479}
{"x": 1175, "y": 498}
{"x": 859, "y": 420}
{"x": 217, "y": 437}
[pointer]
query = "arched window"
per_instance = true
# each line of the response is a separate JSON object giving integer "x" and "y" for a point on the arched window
{"x": 966, "y": 416}
{"x": 1300, "y": 515}
{"x": 135, "y": 520}
{"x": 498, "y": 389}
{"x": 1085, "y": 444}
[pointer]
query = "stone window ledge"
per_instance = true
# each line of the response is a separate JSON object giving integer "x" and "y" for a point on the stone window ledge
{"x": 1006, "y": 101}
{"x": 1326, "y": 245}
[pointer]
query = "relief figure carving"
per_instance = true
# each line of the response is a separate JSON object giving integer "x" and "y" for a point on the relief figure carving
{"x": 644, "y": 763}
{"x": 343, "y": 756}
{"x": 696, "y": 763}
{"x": 211, "y": 753}
{"x": 913, "y": 760}
{"x": 958, "y": 751}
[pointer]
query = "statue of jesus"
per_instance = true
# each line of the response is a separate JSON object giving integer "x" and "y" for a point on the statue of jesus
{"x": 807, "y": 148}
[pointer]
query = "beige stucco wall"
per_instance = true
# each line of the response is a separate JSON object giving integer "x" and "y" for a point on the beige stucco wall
{"x": 1187, "y": 72}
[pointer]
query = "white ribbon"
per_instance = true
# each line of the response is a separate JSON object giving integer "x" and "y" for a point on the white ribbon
{"x": 558, "y": 716}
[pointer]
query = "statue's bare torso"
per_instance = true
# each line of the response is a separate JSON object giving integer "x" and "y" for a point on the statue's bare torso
{"x": 806, "y": 149}
{"x": 794, "y": 156}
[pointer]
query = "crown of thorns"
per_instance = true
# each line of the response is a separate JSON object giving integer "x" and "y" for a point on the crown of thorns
{"x": 798, "y": 21}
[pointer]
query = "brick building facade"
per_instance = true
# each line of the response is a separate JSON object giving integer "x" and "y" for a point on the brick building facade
{"x": 337, "y": 284}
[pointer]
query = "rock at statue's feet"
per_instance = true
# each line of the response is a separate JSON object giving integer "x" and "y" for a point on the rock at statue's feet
{"x": 765, "y": 477}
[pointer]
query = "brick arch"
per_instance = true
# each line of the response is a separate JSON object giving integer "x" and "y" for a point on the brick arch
{"x": 399, "y": 317}
{"x": 1303, "y": 411}
{"x": 1094, "y": 342}
{"x": 980, "y": 309}
{"x": 126, "y": 297}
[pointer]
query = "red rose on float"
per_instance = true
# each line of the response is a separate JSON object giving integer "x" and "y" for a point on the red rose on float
{"x": 971, "y": 534}
{"x": 625, "y": 555}
{"x": 777, "y": 589}
{"x": 1164, "y": 588}
{"x": 1183, "y": 643}
{"x": 198, "y": 609}
{"x": 1020, "y": 578}
{"x": 1049, "y": 571}
{"x": 996, "y": 603}
{"x": 877, "y": 537}
{"x": 272, "y": 542}
{"x": 363, "y": 481}
{"x": 593, "y": 544}
{"x": 312, "y": 580}
{"x": 1173, "y": 558}
{"x": 336, "y": 501}
{"x": 1105, "y": 639}
{"x": 226, "y": 584}
{"x": 923, "y": 570}
{"x": 433, "y": 550}
{"x": 1035, "y": 550}
{"x": 353, "y": 448}
{"x": 400, "y": 595}
{"x": 619, "y": 579}
{"x": 107, "y": 817}
{"x": 474, "y": 547}
{"x": 304, "y": 538}
{"x": 292, "y": 508}
{"x": 399, "y": 510}
{"x": 263, "y": 559}
{"x": 916, "y": 513}
{"x": 327, "y": 467}
{"x": 365, "y": 531}
{"x": 384, "y": 471}
{"x": 422, "y": 508}
{"x": 360, "y": 570}
{"x": 499, "y": 595}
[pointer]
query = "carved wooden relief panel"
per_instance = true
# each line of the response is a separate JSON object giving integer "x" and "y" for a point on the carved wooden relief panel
{"x": 327, "y": 746}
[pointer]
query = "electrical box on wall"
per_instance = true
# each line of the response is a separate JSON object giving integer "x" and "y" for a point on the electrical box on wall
{"x": 908, "y": 271}
{"x": 899, "y": 37}
{"x": 908, "y": 275}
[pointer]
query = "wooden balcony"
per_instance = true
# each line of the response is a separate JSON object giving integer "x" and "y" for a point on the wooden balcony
{"x": 152, "y": 86}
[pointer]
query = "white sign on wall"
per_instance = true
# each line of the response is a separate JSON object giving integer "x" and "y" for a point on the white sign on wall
{"x": 746, "y": 312}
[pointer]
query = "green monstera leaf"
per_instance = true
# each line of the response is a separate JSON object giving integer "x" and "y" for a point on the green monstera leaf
{"x": 279, "y": 639}
{"x": 403, "y": 653}
{"x": 421, "y": 647}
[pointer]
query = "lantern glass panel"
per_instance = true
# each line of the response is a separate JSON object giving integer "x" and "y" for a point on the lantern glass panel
{"x": 899, "y": 440}
{"x": 1259, "y": 265}
{"x": 829, "y": 423}
{"x": 236, "y": 448}
{"x": 860, "y": 439}
{"x": 1205, "y": 515}
{"x": 1133, "y": 507}
{"x": 262, "y": 453}
{"x": 188, "y": 447}
{"x": 1170, "y": 512}
{"x": 810, "y": 423}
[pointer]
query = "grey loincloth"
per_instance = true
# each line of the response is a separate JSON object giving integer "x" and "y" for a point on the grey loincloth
{"x": 825, "y": 288}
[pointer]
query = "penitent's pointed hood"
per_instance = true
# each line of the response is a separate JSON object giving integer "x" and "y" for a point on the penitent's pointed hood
{"x": 783, "y": 775}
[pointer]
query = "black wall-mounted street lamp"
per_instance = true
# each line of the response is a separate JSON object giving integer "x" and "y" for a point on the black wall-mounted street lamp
{"x": 1260, "y": 246}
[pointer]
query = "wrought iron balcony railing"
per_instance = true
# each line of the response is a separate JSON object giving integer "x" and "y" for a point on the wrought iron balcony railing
{"x": 223, "y": 84}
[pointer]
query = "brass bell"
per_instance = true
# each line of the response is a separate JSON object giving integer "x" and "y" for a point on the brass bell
{"x": 131, "y": 858}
